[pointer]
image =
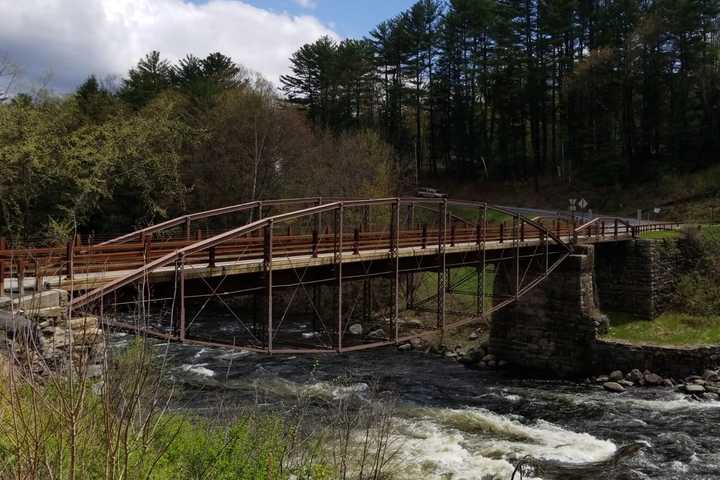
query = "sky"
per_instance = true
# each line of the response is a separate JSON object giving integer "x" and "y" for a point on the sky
{"x": 59, "y": 43}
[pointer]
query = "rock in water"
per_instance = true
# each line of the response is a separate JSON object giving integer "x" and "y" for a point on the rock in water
{"x": 635, "y": 375}
{"x": 613, "y": 467}
{"x": 356, "y": 329}
{"x": 404, "y": 347}
{"x": 653, "y": 379}
{"x": 613, "y": 387}
{"x": 694, "y": 389}
{"x": 616, "y": 376}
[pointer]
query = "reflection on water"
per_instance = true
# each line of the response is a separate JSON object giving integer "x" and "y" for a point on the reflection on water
{"x": 466, "y": 424}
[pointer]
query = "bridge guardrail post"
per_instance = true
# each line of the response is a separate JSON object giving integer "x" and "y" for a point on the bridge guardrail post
{"x": 424, "y": 236}
{"x": 315, "y": 243}
{"x": 356, "y": 241}
{"x": 21, "y": 277}
{"x": 70, "y": 258}
{"x": 502, "y": 231}
{"x": 38, "y": 276}
{"x": 211, "y": 257}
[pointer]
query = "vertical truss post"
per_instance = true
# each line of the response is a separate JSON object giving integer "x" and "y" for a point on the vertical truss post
{"x": 267, "y": 267}
{"x": 481, "y": 279}
{"x": 339, "y": 214}
{"x": 396, "y": 254}
{"x": 547, "y": 252}
{"x": 516, "y": 223}
{"x": 441, "y": 279}
{"x": 188, "y": 233}
{"x": 181, "y": 267}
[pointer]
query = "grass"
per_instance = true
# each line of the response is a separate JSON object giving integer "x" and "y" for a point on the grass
{"x": 661, "y": 235}
{"x": 671, "y": 328}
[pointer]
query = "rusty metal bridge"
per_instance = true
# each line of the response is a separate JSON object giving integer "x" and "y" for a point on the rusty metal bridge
{"x": 311, "y": 274}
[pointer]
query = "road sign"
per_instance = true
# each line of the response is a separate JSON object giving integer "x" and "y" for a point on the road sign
{"x": 582, "y": 203}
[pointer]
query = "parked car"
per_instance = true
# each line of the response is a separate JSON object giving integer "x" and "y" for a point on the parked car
{"x": 426, "y": 192}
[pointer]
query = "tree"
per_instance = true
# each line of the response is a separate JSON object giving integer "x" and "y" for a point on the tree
{"x": 151, "y": 76}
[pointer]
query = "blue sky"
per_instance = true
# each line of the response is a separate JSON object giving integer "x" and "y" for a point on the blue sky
{"x": 347, "y": 17}
{"x": 59, "y": 43}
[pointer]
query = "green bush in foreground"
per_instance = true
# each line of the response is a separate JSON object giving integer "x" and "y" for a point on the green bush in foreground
{"x": 71, "y": 427}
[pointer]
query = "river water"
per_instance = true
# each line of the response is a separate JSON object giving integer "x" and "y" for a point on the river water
{"x": 461, "y": 424}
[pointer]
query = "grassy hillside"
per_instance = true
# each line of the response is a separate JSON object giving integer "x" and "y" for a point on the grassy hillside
{"x": 693, "y": 197}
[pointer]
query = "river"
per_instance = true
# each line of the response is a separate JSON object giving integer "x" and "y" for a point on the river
{"x": 463, "y": 424}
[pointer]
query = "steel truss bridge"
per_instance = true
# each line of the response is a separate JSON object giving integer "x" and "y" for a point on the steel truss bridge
{"x": 310, "y": 274}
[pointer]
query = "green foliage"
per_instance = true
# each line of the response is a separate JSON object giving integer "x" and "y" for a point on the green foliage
{"x": 612, "y": 92}
{"x": 192, "y": 136}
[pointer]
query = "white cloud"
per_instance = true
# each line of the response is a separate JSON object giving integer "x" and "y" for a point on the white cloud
{"x": 74, "y": 38}
{"x": 306, "y": 3}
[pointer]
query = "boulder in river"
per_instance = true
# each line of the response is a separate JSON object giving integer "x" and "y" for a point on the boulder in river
{"x": 694, "y": 388}
{"x": 377, "y": 334}
{"x": 356, "y": 329}
{"x": 616, "y": 376}
{"x": 634, "y": 376}
{"x": 405, "y": 347}
{"x": 653, "y": 379}
{"x": 613, "y": 387}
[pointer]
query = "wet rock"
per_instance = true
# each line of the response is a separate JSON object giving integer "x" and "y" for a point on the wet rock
{"x": 711, "y": 396}
{"x": 711, "y": 376}
{"x": 616, "y": 376}
{"x": 653, "y": 379}
{"x": 377, "y": 334}
{"x": 692, "y": 378}
{"x": 626, "y": 383}
{"x": 356, "y": 329}
{"x": 699, "y": 381}
{"x": 489, "y": 358}
{"x": 602, "y": 379}
{"x": 491, "y": 364}
{"x": 712, "y": 388}
{"x": 451, "y": 355}
{"x": 481, "y": 364}
{"x": 694, "y": 388}
{"x": 405, "y": 347}
{"x": 667, "y": 383}
{"x": 634, "y": 375}
{"x": 613, "y": 387}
